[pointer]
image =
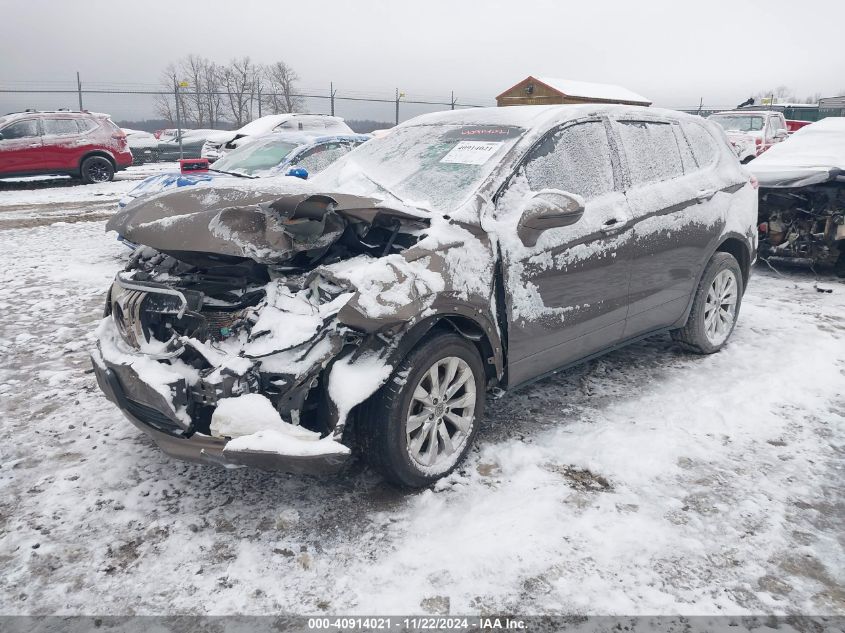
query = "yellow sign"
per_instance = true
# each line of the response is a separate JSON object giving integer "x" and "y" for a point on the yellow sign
{"x": 183, "y": 84}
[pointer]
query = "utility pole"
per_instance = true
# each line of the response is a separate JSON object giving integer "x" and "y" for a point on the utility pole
{"x": 453, "y": 99}
{"x": 79, "y": 89}
{"x": 332, "y": 93}
{"x": 178, "y": 118}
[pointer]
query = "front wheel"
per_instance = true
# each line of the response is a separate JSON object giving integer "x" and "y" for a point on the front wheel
{"x": 715, "y": 307}
{"x": 96, "y": 169}
{"x": 422, "y": 423}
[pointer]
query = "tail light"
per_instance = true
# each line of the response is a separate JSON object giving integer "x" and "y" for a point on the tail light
{"x": 758, "y": 141}
{"x": 755, "y": 184}
{"x": 120, "y": 137}
{"x": 764, "y": 227}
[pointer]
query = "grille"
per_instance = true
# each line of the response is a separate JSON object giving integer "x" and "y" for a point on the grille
{"x": 154, "y": 418}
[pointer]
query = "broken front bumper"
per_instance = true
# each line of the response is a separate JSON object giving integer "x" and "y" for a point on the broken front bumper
{"x": 147, "y": 410}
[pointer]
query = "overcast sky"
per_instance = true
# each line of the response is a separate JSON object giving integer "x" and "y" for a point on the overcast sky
{"x": 673, "y": 52}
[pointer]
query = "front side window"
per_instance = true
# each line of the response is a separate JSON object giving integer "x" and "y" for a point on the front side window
{"x": 20, "y": 129}
{"x": 318, "y": 158}
{"x": 651, "y": 150}
{"x": 256, "y": 158}
{"x": 576, "y": 159}
{"x": 60, "y": 126}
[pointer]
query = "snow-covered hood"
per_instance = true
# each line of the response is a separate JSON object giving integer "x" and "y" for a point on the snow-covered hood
{"x": 267, "y": 220}
{"x": 814, "y": 154}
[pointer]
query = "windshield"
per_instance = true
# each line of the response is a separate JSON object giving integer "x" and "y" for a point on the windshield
{"x": 430, "y": 166}
{"x": 739, "y": 123}
{"x": 256, "y": 158}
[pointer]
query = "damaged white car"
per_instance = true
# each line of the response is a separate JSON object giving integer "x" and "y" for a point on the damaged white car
{"x": 284, "y": 324}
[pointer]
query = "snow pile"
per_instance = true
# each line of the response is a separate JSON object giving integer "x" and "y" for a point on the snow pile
{"x": 350, "y": 383}
{"x": 814, "y": 154}
{"x": 251, "y": 413}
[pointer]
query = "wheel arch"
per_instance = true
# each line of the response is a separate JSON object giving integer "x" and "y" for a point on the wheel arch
{"x": 473, "y": 327}
{"x": 734, "y": 244}
{"x": 97, "y": 152}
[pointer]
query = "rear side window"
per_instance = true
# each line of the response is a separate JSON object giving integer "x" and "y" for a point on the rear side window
{"x": 575, "y": 159}
{"x": 60, "y": 126}
{"x": 702, "y": 143}
{"x": 85, "y": 125}
{"x": 317, "y": 159}
{"x": 20, "y": 129}
{"x": 651, "y": 150}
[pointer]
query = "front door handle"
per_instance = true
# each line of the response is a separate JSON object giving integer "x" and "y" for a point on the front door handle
{"x": 705, "y": 194}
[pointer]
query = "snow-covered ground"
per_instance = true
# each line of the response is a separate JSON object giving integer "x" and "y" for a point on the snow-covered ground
{"x": 649, "y": 481}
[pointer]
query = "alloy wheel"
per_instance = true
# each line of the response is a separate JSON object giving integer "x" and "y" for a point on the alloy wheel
{"x": 441, "y": 414}
{"x": 720, "y": 307}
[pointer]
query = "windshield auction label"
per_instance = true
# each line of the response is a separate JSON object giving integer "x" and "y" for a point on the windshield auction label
{"x": 471, "y": 152}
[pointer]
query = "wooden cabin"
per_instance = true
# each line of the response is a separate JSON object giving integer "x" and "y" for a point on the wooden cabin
{"x": 548, "y": 91}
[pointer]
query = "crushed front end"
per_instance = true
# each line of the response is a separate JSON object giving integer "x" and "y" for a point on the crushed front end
{"x": 176, "y": 343}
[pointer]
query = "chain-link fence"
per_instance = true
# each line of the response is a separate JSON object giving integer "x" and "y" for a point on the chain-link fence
{"x": 148, "y": 102}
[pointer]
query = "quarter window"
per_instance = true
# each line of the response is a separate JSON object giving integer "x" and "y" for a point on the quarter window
{"x": 20, "y": 129}
{"x": 85, "y": 125}
{"x": 651, "y": 150}
{"x": 60, "y": 126}
{"x": 576, "y": 159}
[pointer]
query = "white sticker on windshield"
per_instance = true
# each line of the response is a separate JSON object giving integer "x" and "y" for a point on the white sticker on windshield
{"x": 471, "y": 152}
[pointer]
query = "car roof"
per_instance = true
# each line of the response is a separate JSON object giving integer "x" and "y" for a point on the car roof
{"x": 536, "y": 116}
{"x": 304, "y": 138}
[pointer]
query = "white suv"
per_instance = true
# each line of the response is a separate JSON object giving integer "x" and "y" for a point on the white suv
{"x": 751, "y": 132}
{"x": 219, "y": 143}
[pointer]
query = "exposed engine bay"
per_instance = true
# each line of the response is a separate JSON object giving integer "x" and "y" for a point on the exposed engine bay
{"x": 804, "y": 225}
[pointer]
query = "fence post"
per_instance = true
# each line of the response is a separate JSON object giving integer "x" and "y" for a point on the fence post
{"x": 453, "y": 100}
{"x": 259, "y": 99}
{"x": 79, "y": 89}
{"x": 331, "y": 93}
{"x": 178, "y": 118}
{"x": 397, "y": 106}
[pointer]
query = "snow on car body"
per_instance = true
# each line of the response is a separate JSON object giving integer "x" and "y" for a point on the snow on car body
{"x": 219, "y": 143}
{"x": 463, "y": 251}
{"x": 802, "y": 196}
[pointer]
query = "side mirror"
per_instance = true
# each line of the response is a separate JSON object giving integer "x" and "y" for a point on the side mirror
{"x": 781, "y": 134}
{"x": 298, "y": 172}
{"x": 548, "y": 209}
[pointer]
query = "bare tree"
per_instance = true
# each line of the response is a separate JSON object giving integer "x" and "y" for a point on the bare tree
{"x": 165, "y": 106}
{"x": 239, "y": 83}
{"x": 278, "y": 90}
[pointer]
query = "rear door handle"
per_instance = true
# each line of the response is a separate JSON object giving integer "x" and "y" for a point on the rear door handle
{"x": 705, "y": 194}
{"x": 612, "y": 225}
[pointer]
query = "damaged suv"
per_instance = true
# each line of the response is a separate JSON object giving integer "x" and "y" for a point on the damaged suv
{"x": 282, "y": 323}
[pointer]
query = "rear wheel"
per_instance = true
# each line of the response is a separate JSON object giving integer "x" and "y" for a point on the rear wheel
{"x": 715, "y": 307}
{"x": 96, "y": 169}
{"x": 422, "y": 423}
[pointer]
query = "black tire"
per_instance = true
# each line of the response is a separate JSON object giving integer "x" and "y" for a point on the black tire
{"x": 96, "y": 169}
{"x": 693, "y": 336}
{"x": 381, "y": 428}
